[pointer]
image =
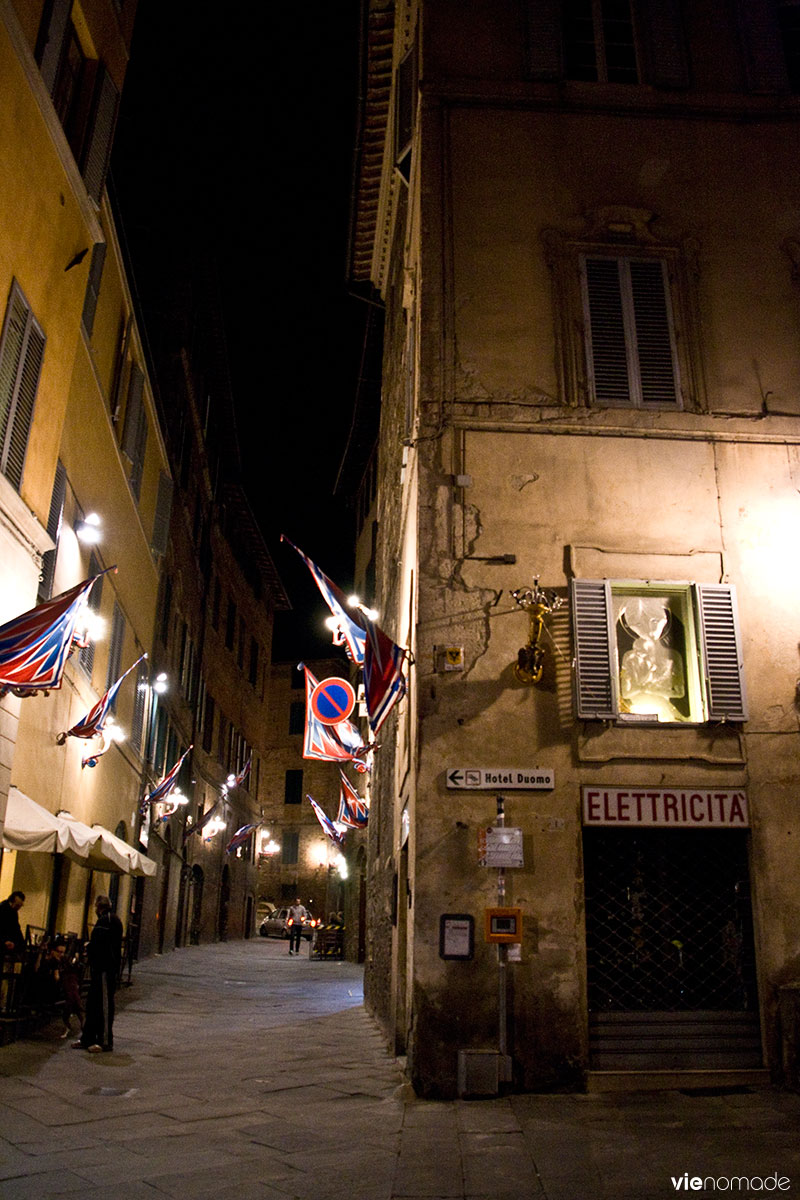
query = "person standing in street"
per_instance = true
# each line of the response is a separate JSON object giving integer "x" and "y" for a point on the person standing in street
{"x": 295, "y": 918}
{"x": 105, "y": 953}
{"x": 12, "y": 939}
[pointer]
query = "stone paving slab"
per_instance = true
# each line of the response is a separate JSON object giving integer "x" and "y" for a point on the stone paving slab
{"x": 241, "y": 1074}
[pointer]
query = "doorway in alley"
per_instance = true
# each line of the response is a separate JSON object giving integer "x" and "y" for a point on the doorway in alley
{"x": 671, "y": 974}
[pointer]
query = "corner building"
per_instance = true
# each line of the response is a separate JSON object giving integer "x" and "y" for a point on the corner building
{"x": 584, "y": 224}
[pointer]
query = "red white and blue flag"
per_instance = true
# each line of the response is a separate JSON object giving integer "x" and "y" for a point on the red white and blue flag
{"x": 353, "y": 810}
{"x": 384, "y": 682}
{"x": 201, "y": 824}
{"x": 331, "y": 743}
{"x": 239, "y": 779}
{"x": 162, "y": 790}
{"x": 241, "y": 836}
{"x": 34, "y": 647}
{"x": 92, "y": 723}
{"x": 349, "y": 630}
{"x": 327, "y": 824}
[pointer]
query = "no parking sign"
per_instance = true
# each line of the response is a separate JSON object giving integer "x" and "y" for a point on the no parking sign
{"x": 332, "y": 700}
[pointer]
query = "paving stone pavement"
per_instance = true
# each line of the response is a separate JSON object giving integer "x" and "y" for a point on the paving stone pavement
{"x": 243, "y": 1073}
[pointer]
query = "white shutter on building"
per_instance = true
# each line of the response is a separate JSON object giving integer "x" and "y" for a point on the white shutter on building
{"x": 722, "y": 653}
{"x": 595, "y": 675}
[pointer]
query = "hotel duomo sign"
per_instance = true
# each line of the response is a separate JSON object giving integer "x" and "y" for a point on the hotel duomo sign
{"x": 668, "y": 808}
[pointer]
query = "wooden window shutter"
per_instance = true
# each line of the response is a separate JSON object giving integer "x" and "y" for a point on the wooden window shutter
{"x": 608, "y": 341}
{"x": 50, "y": 42}
{"x": 133, "y": 408}
{"x": 115, "y": 649}
{"x": 139, "y": 450}
{"x": 595, "y": 674}
{"x": 664, "y": 43}
{"x": 54, "y": 529}
{"x": 722, "y": 652}
{"x": 97, "y": 152}
{"x": 654, "y": 339}
{"x": 86, "y": 657}
{"x": 764, "y": 60}
{"x": 93, "y": 286}
{"x": 544, "y": 39}
{"x": 139, "y": 707}
{"x": 21, "y": 354}
{"x": 163, "y": 509}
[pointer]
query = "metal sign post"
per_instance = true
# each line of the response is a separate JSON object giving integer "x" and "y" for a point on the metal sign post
{"x": 502, "y": 964}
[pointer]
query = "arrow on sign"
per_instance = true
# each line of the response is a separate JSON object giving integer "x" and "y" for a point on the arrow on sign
{"x": 455, "y": 778}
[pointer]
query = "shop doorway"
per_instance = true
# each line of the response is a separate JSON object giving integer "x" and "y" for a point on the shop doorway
{"x": 670, "y": 951}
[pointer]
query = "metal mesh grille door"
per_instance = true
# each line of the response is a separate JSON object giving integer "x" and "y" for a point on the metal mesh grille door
{"x": 668, "y": 921}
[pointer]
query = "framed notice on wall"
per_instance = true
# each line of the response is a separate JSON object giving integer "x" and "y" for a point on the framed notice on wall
{"x": 456, "y": 936}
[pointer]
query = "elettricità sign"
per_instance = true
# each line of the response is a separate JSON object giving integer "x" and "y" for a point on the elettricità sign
{"x": 672, "y": 808}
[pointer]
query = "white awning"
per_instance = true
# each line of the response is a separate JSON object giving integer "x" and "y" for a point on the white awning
{"x": 29, "y": 826}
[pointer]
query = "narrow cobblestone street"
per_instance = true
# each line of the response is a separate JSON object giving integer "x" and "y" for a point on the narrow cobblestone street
{"x": 241, "y": 1072}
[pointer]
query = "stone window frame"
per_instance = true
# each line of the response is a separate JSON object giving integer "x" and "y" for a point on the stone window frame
{"x": 622, "y": 232}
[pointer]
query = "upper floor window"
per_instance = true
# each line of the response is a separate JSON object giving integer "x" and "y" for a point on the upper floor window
{"x": 630, "y": 340}
{"x": 21, "y": 354}
{"x": 657, "y": 652}
{"x": 297, "y": 716}
{"x": 789, "y": 24}
{"x": 84, "y": 95}
{"x": 599, "y": 43}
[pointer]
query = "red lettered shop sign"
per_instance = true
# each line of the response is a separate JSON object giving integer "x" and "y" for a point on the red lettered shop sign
{"x": 666, "y": 808}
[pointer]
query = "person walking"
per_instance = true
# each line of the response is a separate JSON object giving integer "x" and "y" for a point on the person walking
{"x": 295, "y": 918}
{"x": 105, "y": 954}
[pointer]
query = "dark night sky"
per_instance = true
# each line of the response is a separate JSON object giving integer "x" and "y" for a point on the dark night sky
{"x": 234, "y": 144}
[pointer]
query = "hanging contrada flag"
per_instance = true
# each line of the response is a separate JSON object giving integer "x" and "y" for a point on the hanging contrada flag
{"x": 327, "y": 824}
{"x": 201, "y": 824}
{"x": 239, "y": 779}
{"x": 162, "y": 790}
{"x": 353, "y": 809}
{"x": 348, "y": 632}
{"x": 35, "y": 646}
{"x": 331, "y": 743}
{"x": 91, "y": 725}
{"x": 241, "y": 836}
{"x": 384, "y": 682}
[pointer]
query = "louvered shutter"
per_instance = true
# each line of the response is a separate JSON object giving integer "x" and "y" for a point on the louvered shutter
{"x": 764, "y": 59}
{"x": 93, "y": 285}
{"x": 139, "y": 453}
{"x": 54, "y": 530}
{"x": 664, "y": 43}
{"x": 21, "y": 355}
{"x": 115, "y": 649}
{"x": 161, "y": 519}
{"x": 595, "y": 676}
{"x": 654, "y": 341}
{"x": 50, "y": 42}
{"x": 722, "y": 653}
{"x": 607, "y": 348}
{"x": 133, "y": 409}
{"x": 97, "y": 154}
{"x": 544, "y": 39}
{"x": 139, "y": 707}
{"x": 86, "y": 657}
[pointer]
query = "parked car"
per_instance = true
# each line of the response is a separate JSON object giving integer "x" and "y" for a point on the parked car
{"x": 276, "y": 924}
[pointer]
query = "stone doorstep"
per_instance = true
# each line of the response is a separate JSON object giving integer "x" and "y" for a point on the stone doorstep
{"x": 669, "y": 1080}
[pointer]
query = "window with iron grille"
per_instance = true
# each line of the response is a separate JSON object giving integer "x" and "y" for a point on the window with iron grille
{"x": 140, "y": 706}
{"x": 21, "y": 354}
{"x": 631, "y": 358}
{"x": 666, "y": 653}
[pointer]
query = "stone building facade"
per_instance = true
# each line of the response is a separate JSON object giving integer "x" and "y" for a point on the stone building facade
{"x": 584, "y": 227}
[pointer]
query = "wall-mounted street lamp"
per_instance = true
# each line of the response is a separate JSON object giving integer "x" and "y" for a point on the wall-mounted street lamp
{"x": 89, "y": 529}
{"x": 538, "y": 604}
